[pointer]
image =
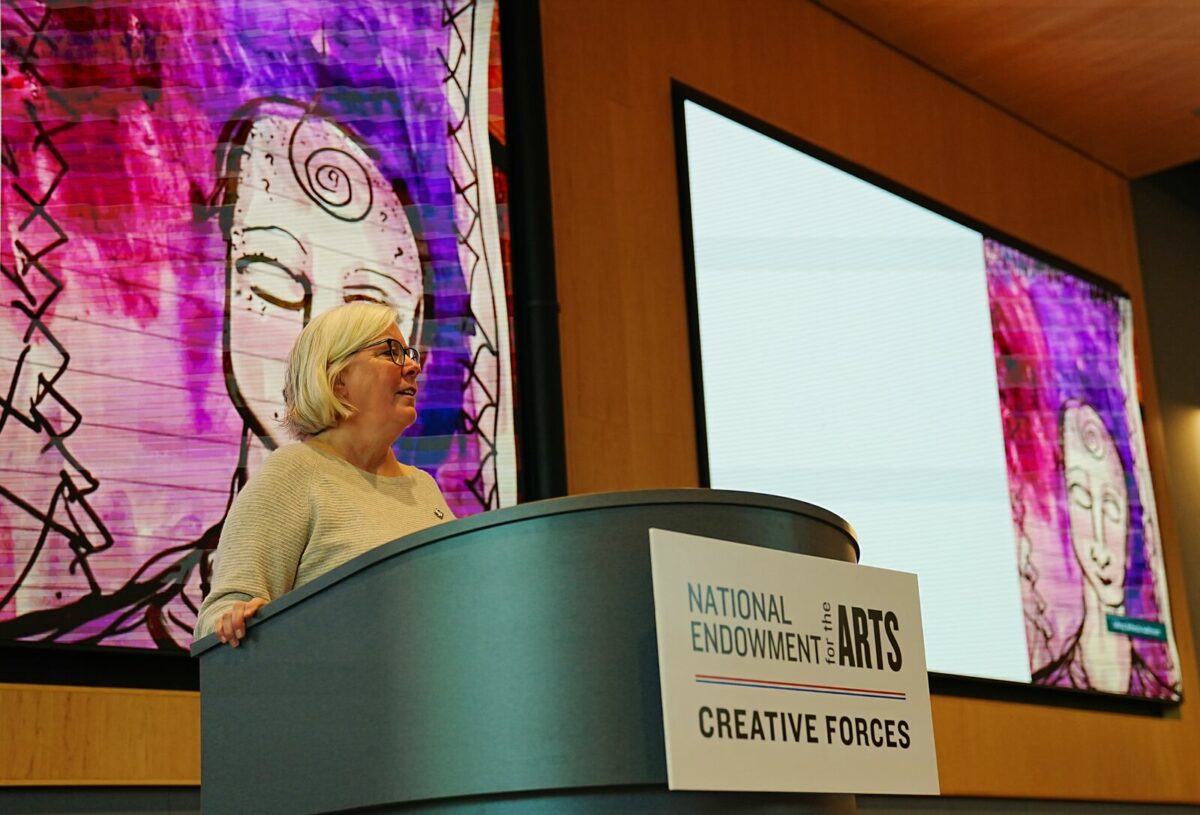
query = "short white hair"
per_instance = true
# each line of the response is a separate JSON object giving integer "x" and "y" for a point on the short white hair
{"x": 319, "y": 355}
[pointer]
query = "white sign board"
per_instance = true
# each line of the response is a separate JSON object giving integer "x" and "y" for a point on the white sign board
{"x": 787, "y": 673}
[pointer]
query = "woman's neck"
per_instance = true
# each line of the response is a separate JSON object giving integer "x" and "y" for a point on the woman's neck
{"x": 365, "y": 454}
{"x": 1106, "y": 656}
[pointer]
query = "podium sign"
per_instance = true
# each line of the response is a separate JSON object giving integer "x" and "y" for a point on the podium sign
{"x": 787, "y": 673}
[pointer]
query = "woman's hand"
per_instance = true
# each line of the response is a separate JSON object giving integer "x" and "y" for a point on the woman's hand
{"x": 231, "y": 627}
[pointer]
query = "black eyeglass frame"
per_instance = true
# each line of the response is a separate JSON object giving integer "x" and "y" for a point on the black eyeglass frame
{"x": 398, "y": 351}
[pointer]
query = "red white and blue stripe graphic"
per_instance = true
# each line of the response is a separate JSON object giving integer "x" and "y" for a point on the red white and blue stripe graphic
{"x": 800, "y": 687}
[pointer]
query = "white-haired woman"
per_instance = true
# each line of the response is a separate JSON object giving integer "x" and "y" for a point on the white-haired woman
{"x": 350, "y": 392}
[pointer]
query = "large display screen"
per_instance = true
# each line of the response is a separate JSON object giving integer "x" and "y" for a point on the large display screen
{"x": 970, "y": 408}
{"x": 185, "y": 184}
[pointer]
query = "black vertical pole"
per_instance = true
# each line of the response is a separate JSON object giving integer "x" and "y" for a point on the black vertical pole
{"x": 539, "y": 418}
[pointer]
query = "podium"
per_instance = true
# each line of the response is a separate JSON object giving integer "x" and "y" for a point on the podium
{"x": 502, "y": 663}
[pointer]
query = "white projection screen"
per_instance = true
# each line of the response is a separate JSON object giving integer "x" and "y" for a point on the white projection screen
{"x": 968, "y": 406}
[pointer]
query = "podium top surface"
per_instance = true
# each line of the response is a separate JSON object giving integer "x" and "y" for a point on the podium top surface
{"x": 543, "y": 509}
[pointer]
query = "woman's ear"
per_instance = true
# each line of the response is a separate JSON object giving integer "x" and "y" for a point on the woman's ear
{"x": 339, "y": 386}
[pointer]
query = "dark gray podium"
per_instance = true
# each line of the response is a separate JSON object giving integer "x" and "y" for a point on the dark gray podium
{"x": 503, "y": 663}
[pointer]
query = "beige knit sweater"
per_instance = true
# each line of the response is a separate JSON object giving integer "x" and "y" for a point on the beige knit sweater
{"x": 305, "y": 513}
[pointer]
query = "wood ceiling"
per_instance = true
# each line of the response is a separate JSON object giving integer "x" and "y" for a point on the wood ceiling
{"x": 1119, "y": 80}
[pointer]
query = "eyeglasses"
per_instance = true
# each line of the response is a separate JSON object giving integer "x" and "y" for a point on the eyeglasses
{"x": 398, "y": 351}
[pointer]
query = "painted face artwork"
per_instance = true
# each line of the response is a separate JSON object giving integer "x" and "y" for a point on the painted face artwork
{"x": 313, "y": 224}
{"x": 1098, "y": 502}
{"x": 1083, "y": 510}
{"x": 184, "y": 185}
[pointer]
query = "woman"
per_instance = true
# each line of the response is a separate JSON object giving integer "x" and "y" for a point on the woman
{"x": 351, "y": 388}
{"x": 1098, "y": 657}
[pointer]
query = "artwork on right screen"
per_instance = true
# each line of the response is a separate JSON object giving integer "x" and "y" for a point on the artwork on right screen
{"x": 972, "y": 408}
{"x": 1089, "y": 554}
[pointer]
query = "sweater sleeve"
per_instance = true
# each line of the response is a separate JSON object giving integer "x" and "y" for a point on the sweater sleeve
{"x": 262, "y": 539}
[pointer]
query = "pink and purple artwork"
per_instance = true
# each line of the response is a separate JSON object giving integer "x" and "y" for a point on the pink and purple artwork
{"x": 1088, "y": 545}
{"x": 185, "y": 184}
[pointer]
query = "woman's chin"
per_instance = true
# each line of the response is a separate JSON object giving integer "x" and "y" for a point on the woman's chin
{"x": 406, "y": 416}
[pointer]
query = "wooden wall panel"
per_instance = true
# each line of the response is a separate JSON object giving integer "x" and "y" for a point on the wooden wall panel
{"x": 626, "y": 376}
{"x": 62, "y": 736}
{"x": 1118, "y": 78}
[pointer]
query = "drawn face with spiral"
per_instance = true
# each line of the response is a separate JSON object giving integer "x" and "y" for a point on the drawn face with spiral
{"x": 313, "y": 224}
{"x": 1097, "y": 501}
